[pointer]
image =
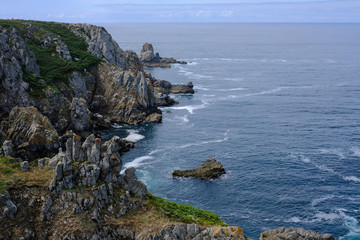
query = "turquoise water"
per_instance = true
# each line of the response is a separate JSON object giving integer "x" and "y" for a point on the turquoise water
{"x": 278, "y": 105}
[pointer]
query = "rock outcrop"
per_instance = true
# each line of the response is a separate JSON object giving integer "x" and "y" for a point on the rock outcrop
{"x": 150, "y": 59}
{"x": 211, "y": 169}
{"x": 294, "y": 233}
{"x": 28, "y": 128}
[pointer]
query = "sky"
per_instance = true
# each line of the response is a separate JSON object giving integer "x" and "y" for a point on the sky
{"x": 118, "y": 11}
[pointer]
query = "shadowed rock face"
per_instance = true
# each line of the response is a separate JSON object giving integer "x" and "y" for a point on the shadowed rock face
{"x": 211, "y": 169}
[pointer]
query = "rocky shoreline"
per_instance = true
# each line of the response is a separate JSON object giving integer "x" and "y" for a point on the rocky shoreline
{"x": 59, "y": 84}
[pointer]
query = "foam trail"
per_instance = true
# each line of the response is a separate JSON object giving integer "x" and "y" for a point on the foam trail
{"x": 137, "y": 162}
{"x": 351, "y": 178}
{"x": 305, "y": 159}
{"x": 333, "y": 151}
{"x": 134, "y": 136}
{"x": 230, "y": 89}
{"x": 266, "y": 92}
{"x": 190, "y": 108}
{"x": 206, "y": 142}
{"x": 322, "y": 199}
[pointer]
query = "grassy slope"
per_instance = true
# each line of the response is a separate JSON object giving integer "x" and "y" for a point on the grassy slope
{"x": 52, "y": 68}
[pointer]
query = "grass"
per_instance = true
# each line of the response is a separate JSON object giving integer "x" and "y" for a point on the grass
{"x": 185, "y": 212}
{"x": 11, "y": 175}
{"x": 53, "y": 69}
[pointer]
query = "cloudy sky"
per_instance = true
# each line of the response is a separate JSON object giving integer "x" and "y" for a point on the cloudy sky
{"x": 103, "y": 11}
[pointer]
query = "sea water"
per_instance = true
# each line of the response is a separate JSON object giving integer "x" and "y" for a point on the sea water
{"x": 277, "y": 104}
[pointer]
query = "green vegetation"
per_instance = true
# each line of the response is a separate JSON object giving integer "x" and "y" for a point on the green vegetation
{"x": 53, "y": 69}
{"x": 185, "y": 212}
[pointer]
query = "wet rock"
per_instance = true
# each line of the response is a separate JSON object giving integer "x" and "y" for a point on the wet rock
{"x": 8, "y": 148}
{"x": 24, "y": 166}
{"x": 211, "y": 169}
{"x": 294, "y": 233}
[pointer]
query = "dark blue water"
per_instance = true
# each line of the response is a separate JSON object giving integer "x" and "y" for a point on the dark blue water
{"x": 278, "y": 105}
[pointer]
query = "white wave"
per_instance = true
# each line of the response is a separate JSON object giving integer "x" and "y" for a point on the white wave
{"x": 198, "y": 87}
{"x": 326, "y": 169}
{"x": 356, "y": 151}
{"x": 266, "y": 92}
{"x": 351, "y": 178}
{"x": 226, "y": 137}
{"x": 230, "y": 89}
{"x": 293, "y": 220}
{"x": 322, "y": 199}
{"x": 333, "y": 151}
{"x": 305, "y": 159}
{"x": 235, "y": 79}
{"x": 321, "y": 216}
{"x": 134, "y": 136}
{"x": 352, "y": 225}
{"x": 155, "y": 151}
{"x": 190, "y": 108}
{"x": 115, "y": 125}
{"x": 184, "y": 118}
{"x": 137, "y": 162}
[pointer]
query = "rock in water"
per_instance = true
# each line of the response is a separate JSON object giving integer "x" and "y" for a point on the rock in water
{"x": 294, "y": 233}
{"x": 211, "y": 169}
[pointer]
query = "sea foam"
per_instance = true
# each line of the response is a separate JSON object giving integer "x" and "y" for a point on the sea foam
{"x": 134, "y": 136}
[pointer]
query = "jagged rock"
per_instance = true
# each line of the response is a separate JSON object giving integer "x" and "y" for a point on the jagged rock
{"x": 24, "y": 166}
{"x": 294, "y": 233}
{"x": 45, "y": 214}
{"x": 133, "y": 60}
{"x": 41, "y": 163}
{"x": 96, "y": 151}
{"x": 8, "y": 148}
{"x": 7, "y": 208}
{"x": 76, "y": 148}
{"x": 68, "y": 146}
{"x": 149, "y": 59}
{"x": 80, "y": 115}
{"x": 182, "y": 89}
{"x": 211, "y": 169}
{"x": 82, "y": 85}
{"x": 154, "y": 117}
{"x": 100, "y": 43}
{"x": 28, "y": 128}
{"x": 61, "y": 48}
{"x": 56, "y": 159}
{"x": 133, "y": 185}
{"x": 59, "y": 172}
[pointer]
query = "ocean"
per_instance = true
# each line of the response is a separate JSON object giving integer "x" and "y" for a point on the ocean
{"x": 277, "y": 104}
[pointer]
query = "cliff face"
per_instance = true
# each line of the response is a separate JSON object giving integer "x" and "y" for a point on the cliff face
{"x": 50, "y": 65}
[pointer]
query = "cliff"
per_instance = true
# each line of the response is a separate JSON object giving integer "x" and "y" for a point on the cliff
{"x": 60, "y": 82}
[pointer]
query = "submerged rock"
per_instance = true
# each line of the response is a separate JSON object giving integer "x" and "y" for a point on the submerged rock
{"x": 182, "y": 89}
{"x": 211, "y": 169}
{"x": 294, "y": 233}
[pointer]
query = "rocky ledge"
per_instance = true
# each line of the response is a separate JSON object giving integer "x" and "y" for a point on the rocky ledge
{"x": 149, "y": 59}
{"x": 211, "y": 169}
{"x": 294, "y": 233}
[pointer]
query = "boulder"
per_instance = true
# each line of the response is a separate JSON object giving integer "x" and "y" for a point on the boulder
{"x": 28, "y": 128}
{"x": 211, "y": 169}
{"x": 294, "y": 233}
{"x": 7, "y": 208}
{"x": 8, "y": 148}
{"x": 24, "y": 166}
{"x": 154, "y": 117}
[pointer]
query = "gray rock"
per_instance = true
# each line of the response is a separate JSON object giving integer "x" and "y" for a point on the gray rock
{"x": 80, "y": 115}
{"x": 67, "y": 167}
{"x": 95, "y": 215}
{"x": 45, "y": 214}
{"x": 76, "y": 148}
{"x": 24, "y": 166}
{"x": 59, "y": 174}
{"x": 52, "y": 185}
{"x": 8, "y": 148}
{"x": 95, "y": 151}
{"x": 133, "y": 185}
{"x": 87, "y": 145}
{"x": 41, "y": 163}
{"x": 7, "y": 208}
{"x": 294, "y": 233}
